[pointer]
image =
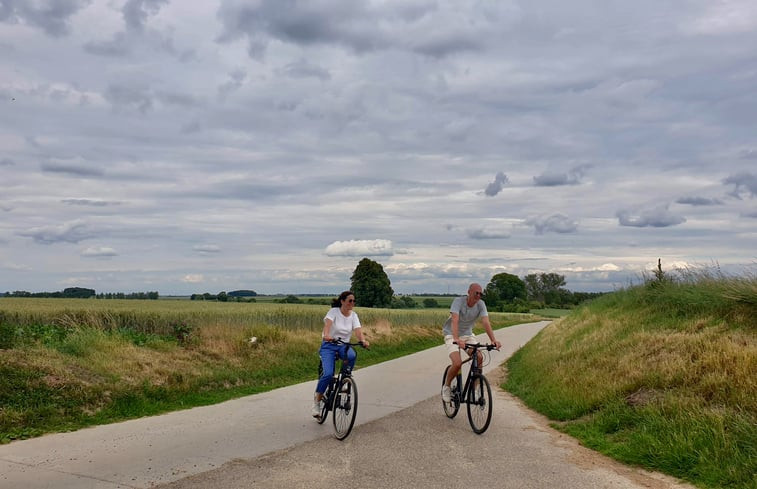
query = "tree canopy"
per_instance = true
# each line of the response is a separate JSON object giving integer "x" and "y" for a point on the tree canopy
{"x": 504, "y": 287}
{"x": 371, "y": 285}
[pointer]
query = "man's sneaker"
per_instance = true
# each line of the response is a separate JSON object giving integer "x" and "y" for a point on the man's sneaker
{"x": 316, "y": 411}
{"x": 446, "y": 394}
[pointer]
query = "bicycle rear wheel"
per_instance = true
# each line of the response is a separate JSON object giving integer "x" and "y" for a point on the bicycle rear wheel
{"x": 345, "y": 408}
{"x": 479, "y": 403}
{"x": 453, "y": 406}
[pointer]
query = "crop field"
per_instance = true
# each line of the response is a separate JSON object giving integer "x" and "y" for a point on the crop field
{"x": 24, "y": 319}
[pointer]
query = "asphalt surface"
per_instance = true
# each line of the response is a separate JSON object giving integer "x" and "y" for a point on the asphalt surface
{"x": 401, "y": 439}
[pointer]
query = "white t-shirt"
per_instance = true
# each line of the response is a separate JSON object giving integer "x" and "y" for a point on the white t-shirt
{"x": 342, "y": 325}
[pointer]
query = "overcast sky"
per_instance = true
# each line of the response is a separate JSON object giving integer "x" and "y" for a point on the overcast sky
{"x": 201, "y": 146}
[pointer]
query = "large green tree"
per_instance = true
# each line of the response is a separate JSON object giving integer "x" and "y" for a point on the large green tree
{"x": 504, "y": 287}
{"x": 371, "y": 285}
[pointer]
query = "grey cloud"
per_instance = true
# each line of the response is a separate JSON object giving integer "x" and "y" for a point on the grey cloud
{"x": 495, "y": 187}
{"x": 698, "y": 201}
{"x": 89, "y": 202}
{"x": 749, "y": 214}
{"x": 237, "y": 78}
{"x": 742, "y": 183}
{"x": 7, "y": 162}
{"x": 136, "y": 12}
{"x": 116, "y": 47}
{"x": 748, "y": 154}
{"x": 122, "y": 96}
{"x": 52, "y": 17}
{"x": 178, "y": 99}
{"x": 303, "y": 69}
{"x": 191, "y": 128}
{"x": 489, "y": 232}
{"x": 75, "y": 167}
{"x": 658, "y": 217}
{"x": 69, "y": 232}
{"x": 553, "y": 179}
{"x": 207, "y": 248}
{"x": 422, "y": 27}
{"x": 556, "y": 223}
{"x": 99, "y": 252}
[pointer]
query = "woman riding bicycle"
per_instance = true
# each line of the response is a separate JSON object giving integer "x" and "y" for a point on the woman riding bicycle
{"x": 338, "y": 324}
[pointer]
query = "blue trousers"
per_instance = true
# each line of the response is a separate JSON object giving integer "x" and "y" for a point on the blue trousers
{"x": 329, "y": 352}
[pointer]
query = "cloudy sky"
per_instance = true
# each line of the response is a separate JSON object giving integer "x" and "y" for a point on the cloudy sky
{"x": 203, "y": 146}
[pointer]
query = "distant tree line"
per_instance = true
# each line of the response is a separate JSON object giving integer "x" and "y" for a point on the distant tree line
{"x": 223, "y": 296}
{"x": 133, "y": 295}
{"x": 82, "y": 293}
{"x": 505, "y": 292}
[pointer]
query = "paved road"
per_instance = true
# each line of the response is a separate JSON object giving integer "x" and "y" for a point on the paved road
{"x": 239, "y": 441}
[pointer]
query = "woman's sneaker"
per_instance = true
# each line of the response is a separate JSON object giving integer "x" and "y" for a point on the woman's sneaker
{"x": 446, "y": 394}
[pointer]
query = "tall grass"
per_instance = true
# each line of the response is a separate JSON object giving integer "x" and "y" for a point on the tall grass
{"x": 663, "y": 375}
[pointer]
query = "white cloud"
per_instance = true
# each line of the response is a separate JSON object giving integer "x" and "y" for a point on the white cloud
{"x": 193, "y": 278}
{"x": 659, "y": 216}
{"x": 375, "y": 247}
{"x": 207, "y": 248}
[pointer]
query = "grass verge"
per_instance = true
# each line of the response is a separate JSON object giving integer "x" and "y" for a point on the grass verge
{"x": 662, "y": 375}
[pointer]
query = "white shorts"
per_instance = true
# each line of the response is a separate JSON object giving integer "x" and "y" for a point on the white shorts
{"x": 452, "y": 348}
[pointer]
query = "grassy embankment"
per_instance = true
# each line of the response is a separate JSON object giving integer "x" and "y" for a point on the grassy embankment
{"x": 663, "y": 376}
{"x": 70, "y": 363}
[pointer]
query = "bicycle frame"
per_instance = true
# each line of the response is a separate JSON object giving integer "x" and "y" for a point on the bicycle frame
{"x": 474, "y": 369}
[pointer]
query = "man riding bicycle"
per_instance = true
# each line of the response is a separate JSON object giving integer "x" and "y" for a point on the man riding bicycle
{"x": 458, "y": 330}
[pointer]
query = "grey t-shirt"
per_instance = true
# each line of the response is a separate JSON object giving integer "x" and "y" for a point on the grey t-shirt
{"x": 467, "y": 316}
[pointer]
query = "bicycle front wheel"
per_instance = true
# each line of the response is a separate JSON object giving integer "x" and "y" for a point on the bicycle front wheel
{"x": 345, "y": 408}
{"x": 453, "y": 406}
{"x": 479, "y": 403}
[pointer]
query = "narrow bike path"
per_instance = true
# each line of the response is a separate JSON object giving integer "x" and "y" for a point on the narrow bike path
{"x": 147, "y": 451}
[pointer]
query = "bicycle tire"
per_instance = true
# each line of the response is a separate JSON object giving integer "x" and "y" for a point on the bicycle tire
{"x": 344, "y": 408}
{"x": 479, "y": 403}
{"x": 453, "y": 406}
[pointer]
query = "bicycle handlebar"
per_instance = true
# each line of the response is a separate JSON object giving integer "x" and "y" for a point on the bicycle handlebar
{"x": 338, "y": 341}
{"x": 476, "y": 346}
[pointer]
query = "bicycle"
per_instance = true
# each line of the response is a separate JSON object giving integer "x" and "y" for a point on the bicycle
{"x": 340, "y": 396}
{"x": 476, "y": 393}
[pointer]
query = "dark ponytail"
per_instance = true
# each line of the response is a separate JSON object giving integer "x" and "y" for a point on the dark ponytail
{"x": 342, "y": 297}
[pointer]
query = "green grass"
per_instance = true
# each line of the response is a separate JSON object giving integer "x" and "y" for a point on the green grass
{"x": 662, "y": 375}
{"x": 67, "y": 363}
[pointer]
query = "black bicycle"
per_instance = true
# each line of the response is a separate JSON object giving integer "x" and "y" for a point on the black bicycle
{"x": 340, "y": 396}
{"x": 476, "y": 393}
